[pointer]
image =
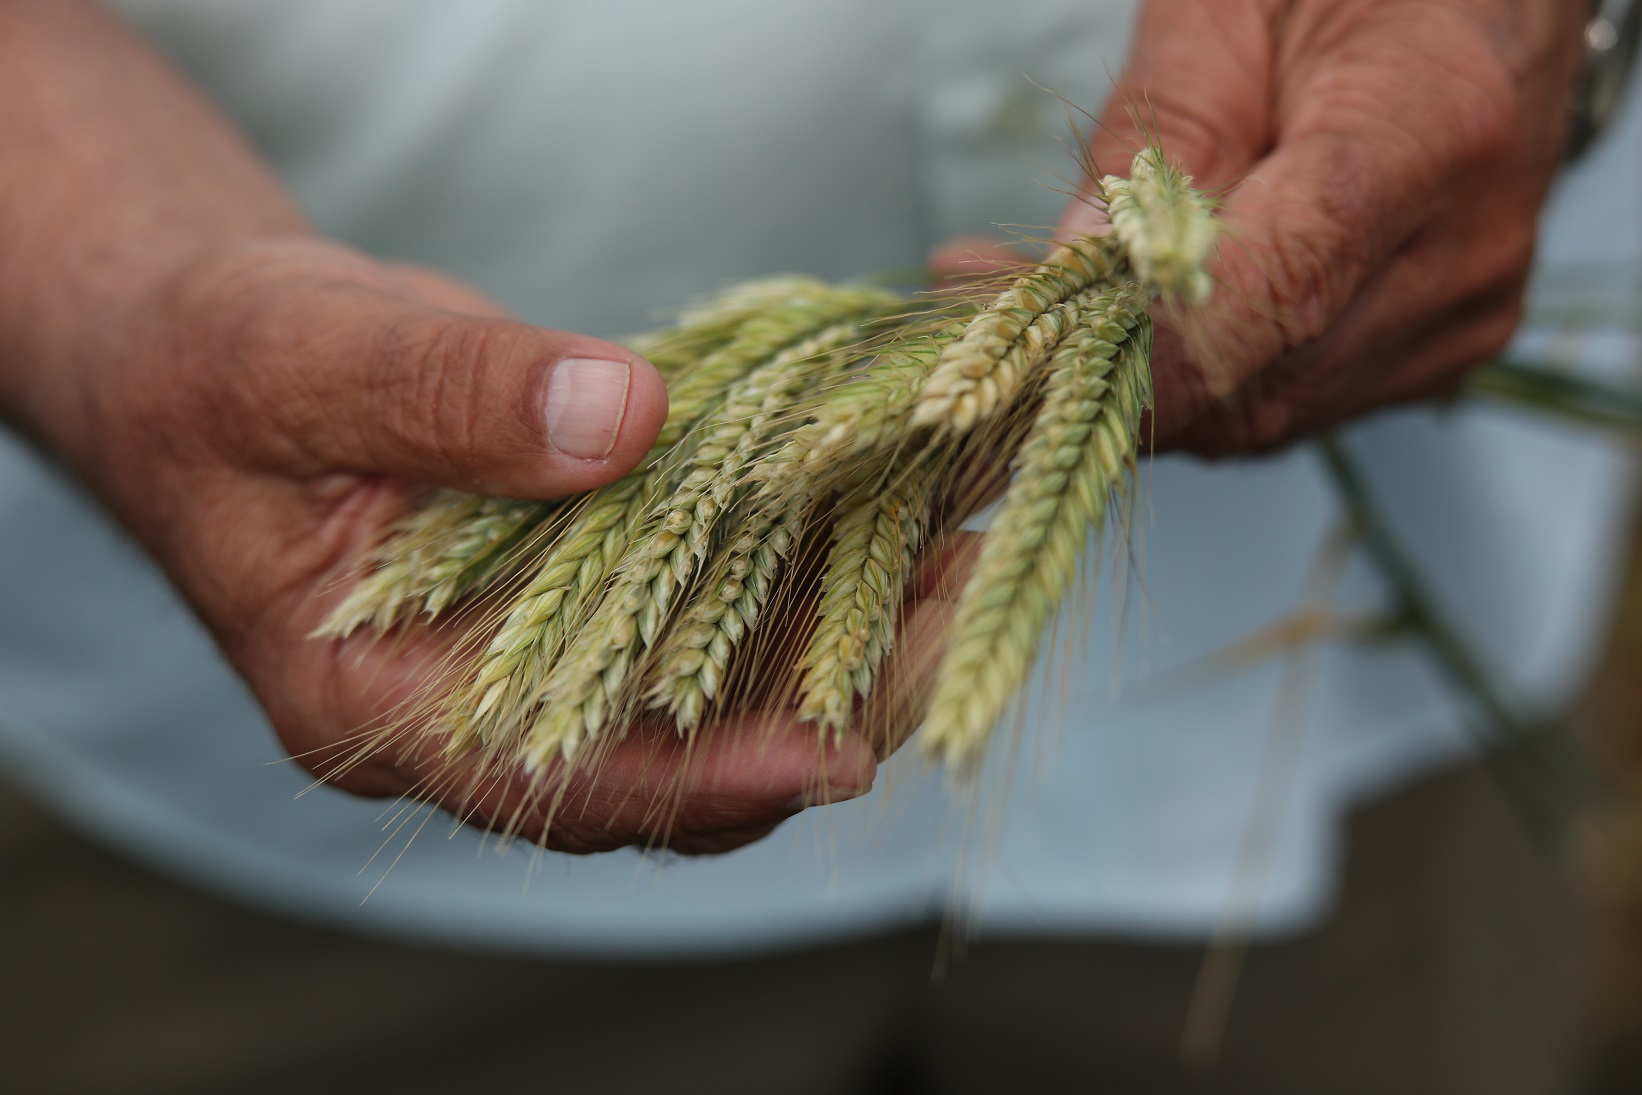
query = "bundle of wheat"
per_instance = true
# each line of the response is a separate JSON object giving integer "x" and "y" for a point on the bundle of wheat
{"x": 818, "y": 438}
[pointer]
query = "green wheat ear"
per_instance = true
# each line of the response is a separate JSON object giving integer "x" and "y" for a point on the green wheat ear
{"x": 1168, "y": 229}
{"x": 979, "y": 374}
{"x": 1075, "y": 456}
{"x": 879, "y": 528}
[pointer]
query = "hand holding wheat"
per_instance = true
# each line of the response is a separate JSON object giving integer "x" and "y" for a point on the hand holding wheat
{"x": 1392, "y": 157}
{"x": 349, "y": 380}
{"x": 759, "y": 567}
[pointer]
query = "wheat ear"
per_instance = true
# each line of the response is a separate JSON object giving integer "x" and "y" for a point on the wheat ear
{"x": 1075, "y": 456}
{"x": 879, "y": 528}
{"x": 485, "y": 555}
{"x": 509, "y": 673}
{"x": 869, "y": 411}
{"x": 694, "y": 662}
{"x": 674, "y": 539}
{"x": 1167, "y": 228}
{"x": 393, "y": 590}
{"x": 978, "y": 375}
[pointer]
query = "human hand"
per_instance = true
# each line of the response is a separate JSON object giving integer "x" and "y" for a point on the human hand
{"x": 256, "y": 420}
{"x": 251, "y": 403}
{"x": 1389, "y": 159}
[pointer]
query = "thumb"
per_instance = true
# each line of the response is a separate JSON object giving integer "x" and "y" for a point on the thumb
{"x": 1198, "y": 81}
{"x": 477, "y": 403}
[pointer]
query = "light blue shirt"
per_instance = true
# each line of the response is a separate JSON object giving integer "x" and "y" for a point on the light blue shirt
{"x": 593, "y": 166}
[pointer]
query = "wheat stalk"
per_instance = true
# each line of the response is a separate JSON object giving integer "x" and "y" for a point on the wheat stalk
{"x": 1075, "y": 455}
{"x": 790, "y": 398}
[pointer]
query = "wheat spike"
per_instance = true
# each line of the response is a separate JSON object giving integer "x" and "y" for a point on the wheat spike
{"x": 872, "y": 409}
{"x": 978, "y": 375}
{"x": 486, "y": 554}
{"x": 783, "y": 324}
{"x": 1073, "y": 459}
{"x": 879, "y": 529}
{"x": 675, "y": 538}
{"x": 509, "y": 673}
{"x": 694, "y": 662}
{"x": 393, "y": 590}
{"x": 1168, "y": 229}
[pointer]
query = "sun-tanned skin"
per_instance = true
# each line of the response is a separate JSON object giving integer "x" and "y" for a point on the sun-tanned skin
{"x": 1391, "y": 156}
{"x": 249, "y": 399}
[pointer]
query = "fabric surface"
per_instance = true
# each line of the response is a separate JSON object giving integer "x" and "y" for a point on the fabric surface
{"x": 592, "y": 165}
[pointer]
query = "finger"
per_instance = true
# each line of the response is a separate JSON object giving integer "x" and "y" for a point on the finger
{"x": 1431, "y": 361}
{"x": 438, "y": 291}
{"x": 732, "y": 780}
{"x": 361, "y": 726}
{"x": 347, "y": 377}
{"x": 1444, "y": 304}
{"x": 1197, "y": 80}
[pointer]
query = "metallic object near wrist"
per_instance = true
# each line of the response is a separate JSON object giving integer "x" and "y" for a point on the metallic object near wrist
{"x": 1611, "y": 39}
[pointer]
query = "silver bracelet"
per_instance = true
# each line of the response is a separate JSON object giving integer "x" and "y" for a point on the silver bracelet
{"x": 1611, "y": 39}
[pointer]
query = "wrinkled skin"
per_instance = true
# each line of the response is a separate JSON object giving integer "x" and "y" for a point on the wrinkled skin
{"x": 1389, "y": 159}
{"x": 252, "y": 401}
{"x": 273, "y": 478}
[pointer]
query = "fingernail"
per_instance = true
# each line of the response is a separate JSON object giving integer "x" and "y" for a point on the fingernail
{"x": 825, "y": 796}
{"x": 586, "y": 402}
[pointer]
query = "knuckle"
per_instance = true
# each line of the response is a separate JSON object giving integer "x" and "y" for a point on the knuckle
{"x": 1263, "y": 425}
{"x": 439, "y": 403}
{"x": 1311, "y": 272}
{"x": 1482, "y": 115}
